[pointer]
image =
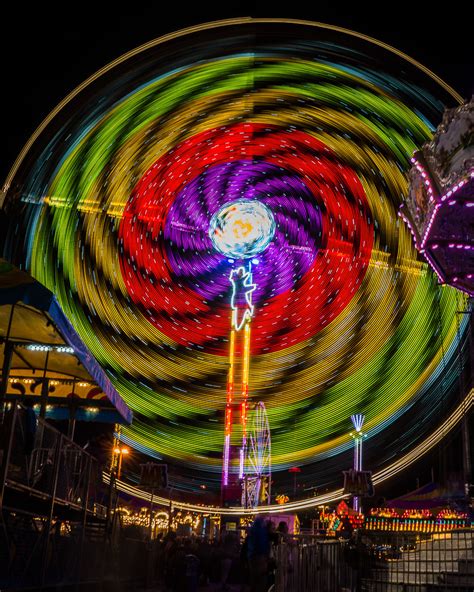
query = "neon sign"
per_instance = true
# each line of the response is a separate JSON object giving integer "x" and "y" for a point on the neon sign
{"x": 241, "y": 301}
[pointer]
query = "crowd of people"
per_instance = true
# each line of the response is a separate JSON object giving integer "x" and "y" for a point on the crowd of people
{"x": 185, "y": 564}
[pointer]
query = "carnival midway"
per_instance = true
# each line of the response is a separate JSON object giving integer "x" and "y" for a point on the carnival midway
{"x": 236, "y": 280}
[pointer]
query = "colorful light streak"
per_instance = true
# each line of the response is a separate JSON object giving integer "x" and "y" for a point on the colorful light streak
{"x": 333, "y": 496}
{"x": 116, "y": 202}
{"x": 242, "y": 290}
{"x": 228, "y": 410}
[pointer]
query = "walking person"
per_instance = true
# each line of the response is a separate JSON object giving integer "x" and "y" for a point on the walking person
{"x": 229, "y": 554}
{"x": 258, "y": 551}
{"x": 191, "y": 567}
{"x": 244, "y": 566}
{"x": 273, "y": 539}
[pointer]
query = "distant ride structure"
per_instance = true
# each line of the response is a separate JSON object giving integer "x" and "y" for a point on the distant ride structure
{"x": 257, "y": 485}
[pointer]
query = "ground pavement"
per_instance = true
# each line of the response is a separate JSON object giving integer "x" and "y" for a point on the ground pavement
{"x": 208, "y": 588}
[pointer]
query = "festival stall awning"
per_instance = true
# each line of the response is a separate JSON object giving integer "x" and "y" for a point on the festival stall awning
{"x": 428, "y": 497}
{"x": 39, "y": 347}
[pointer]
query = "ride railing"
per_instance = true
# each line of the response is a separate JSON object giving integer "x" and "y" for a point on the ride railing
{"x": 310, "y": 563}
{"x": 377, "y": 562}
{"x": 42, "y": 460}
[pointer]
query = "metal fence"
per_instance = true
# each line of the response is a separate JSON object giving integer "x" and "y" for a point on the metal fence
{"x": 44, "y": 461}
{"x": 312, "y": 564}
{"x": 50, "y": 530}
{"x": 418, "y": 562}
{"x": 74, "y": 558}
{"x": 57, "y": 537}
{"x": 377, "y": 562}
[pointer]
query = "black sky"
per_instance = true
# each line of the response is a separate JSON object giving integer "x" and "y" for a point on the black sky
{"x": 47, "y": 53}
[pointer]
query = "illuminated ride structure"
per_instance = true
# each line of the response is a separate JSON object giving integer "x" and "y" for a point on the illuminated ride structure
{"x": 242, "y": 230}
{"x": 47, "y": 479}
{"x": 257, "y": 484}
{"x": 439, "y": 209}
{"x": 439, "y": 212}
{"x": 110, "y": 204}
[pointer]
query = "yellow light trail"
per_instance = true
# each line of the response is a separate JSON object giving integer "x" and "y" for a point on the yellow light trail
{"x": 328, "y": 498}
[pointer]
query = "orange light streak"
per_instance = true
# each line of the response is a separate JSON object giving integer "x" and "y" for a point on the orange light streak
{"x": 230, "y": 385}
{"x": 245, "y": 379}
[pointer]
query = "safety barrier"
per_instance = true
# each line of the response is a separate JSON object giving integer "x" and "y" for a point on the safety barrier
{"x": 43, "y": 461}
{"x": 311, "y": 564}
{"x": 377, "y": 562}
{"x": 419, "y": 562}
{"x": 50, "y": 530}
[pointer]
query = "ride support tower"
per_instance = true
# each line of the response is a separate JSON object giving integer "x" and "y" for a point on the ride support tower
{"x": 238, "y": 381}
{"x": 240, "y": 230}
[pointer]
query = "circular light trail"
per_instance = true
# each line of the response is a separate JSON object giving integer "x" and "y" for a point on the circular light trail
{"x": 115, "y": 198}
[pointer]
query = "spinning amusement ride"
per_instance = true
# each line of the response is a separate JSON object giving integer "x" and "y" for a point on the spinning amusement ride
{"x": 217, "y": 215}
{"x": 241, "y": 230}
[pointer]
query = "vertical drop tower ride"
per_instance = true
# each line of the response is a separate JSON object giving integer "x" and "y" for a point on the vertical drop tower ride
{"x": 238, "y": 375}
{"x": 240, "y": 230}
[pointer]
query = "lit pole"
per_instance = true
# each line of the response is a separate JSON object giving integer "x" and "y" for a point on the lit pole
{"x": 115, "y": 445}
{"x": 242, "y": 312}
{"x": 120, "y": 451}
{"x": 295, "y": 471}
{"x": 466, "y": 449}
{"x": 357, "y": 422}
{"x": 115, "y": 473}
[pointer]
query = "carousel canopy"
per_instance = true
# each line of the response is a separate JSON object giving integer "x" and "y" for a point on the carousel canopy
{"x": 39, "y": 344}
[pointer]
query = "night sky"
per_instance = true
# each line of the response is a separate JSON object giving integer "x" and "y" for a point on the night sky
{"x": 46, "y": 53}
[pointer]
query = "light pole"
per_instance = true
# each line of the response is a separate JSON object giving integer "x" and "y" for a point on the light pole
{"x": 357, "y": 422}
{"x": 170, "y": 509}
{"x": 295, "y": 471}
{"x": 120, "y": 451}
{"x": 466, "y": 449}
